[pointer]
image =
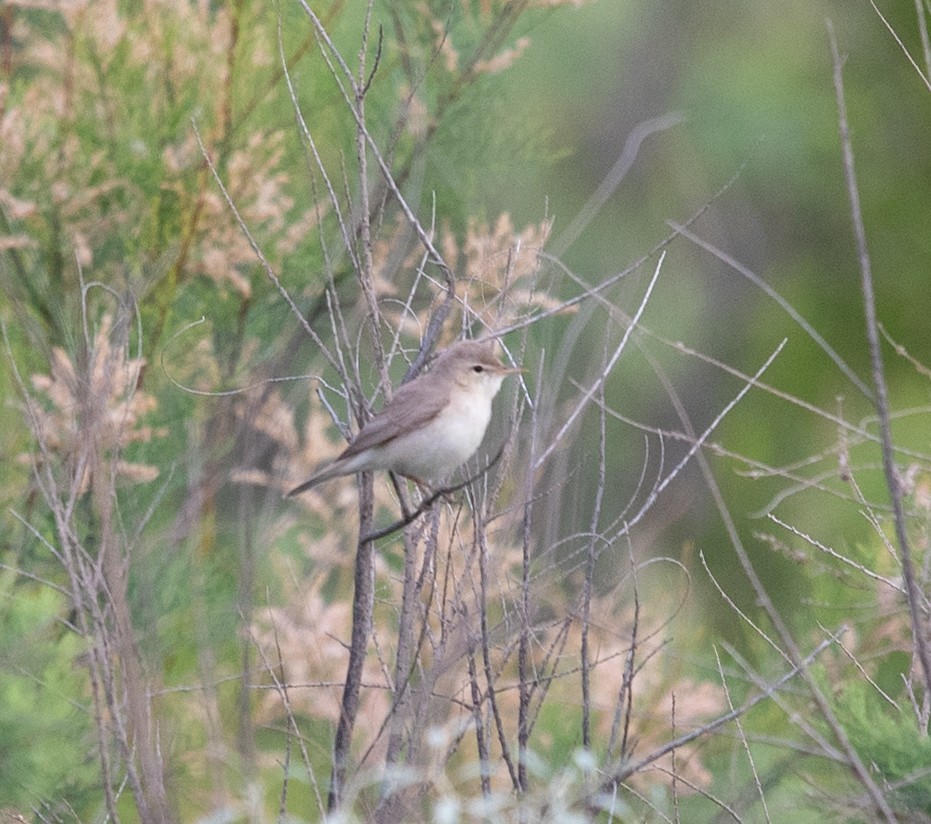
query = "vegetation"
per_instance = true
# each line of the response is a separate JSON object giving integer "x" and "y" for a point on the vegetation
{"x": 687, "y": 576}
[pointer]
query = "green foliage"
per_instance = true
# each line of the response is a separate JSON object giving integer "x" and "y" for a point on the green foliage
{"x": 890, "y": 742}
{"x": 46, "y": 728}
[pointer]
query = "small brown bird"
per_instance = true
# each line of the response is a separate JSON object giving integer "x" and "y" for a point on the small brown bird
{"x": 432, "y": 424}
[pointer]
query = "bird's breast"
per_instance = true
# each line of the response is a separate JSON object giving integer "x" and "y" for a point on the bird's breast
{"x": 449, "y": 440}
{"x": 465, "y": 420}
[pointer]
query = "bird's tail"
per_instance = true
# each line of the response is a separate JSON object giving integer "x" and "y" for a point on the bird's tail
{"x": 327, "y": 472}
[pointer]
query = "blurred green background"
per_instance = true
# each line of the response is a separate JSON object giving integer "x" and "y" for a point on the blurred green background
{"x": 754, "y": 82}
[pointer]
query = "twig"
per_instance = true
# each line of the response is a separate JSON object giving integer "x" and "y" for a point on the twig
{"x": 587, "y": 397}
{"x": 823, "y": 748}
{"x": 787, "y": 307}
{"x": 375, "y": 63}
{"x": 835, "y": 554}
{"x": 902, "y": 352}
{"x": 490, "y": 680}
{"x": 481, "y": 738}
{"x": 363, "y": 605}
{"x": 924, "y": 41}
{"x": 695, "y": 448}
{"x": 852, "y": 428}
{"x": 743, "y": 739}
{"x": 348, "y": 245}
{"x": 441, "y": 311}
{"x": 293, "y": 731}
{"x": 589, "y": 581}
{"x": 413, "y": 515}
{"x": 596, "y": 291}
{"x": 629, "y": 768}
{"x": 257, "y": 250}
{"x": 923, "y": 31}
{"x": 791, "y": 647}
{"x": 915, "y": 597}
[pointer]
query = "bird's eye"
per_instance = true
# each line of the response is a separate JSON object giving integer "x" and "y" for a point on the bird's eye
{"x": 478, "y": 369}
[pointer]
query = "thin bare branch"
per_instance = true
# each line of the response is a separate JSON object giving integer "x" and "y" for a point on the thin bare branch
{"x": 627, "y": 768}
{"x": 849, "y": 427}
{"x": 923, "y": 32}
{"x": 363, "y": 604}
{"x": 915, "y": 596}
{"x": 586, "y": 398}
{"x": 257, "y": 250}
{"x": 743, "y": 740}
{"x": 834, "y": 554}
{"x": 695, "y": 448}
{"x": 787, "y": 307}
{"x": 925, "y": 78}
{"x": 427, "y": 503}
{"x": 442, "y": 311}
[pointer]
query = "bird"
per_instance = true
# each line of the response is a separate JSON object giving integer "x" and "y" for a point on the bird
{"x": 432, "y": 424}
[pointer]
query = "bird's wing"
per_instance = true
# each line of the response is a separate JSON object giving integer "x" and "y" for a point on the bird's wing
{"x": 407, "y": 410}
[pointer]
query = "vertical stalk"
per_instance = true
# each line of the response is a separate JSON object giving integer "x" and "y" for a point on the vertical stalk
{"x": 363, "y": 604}
{"x": 916, "y": 599}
